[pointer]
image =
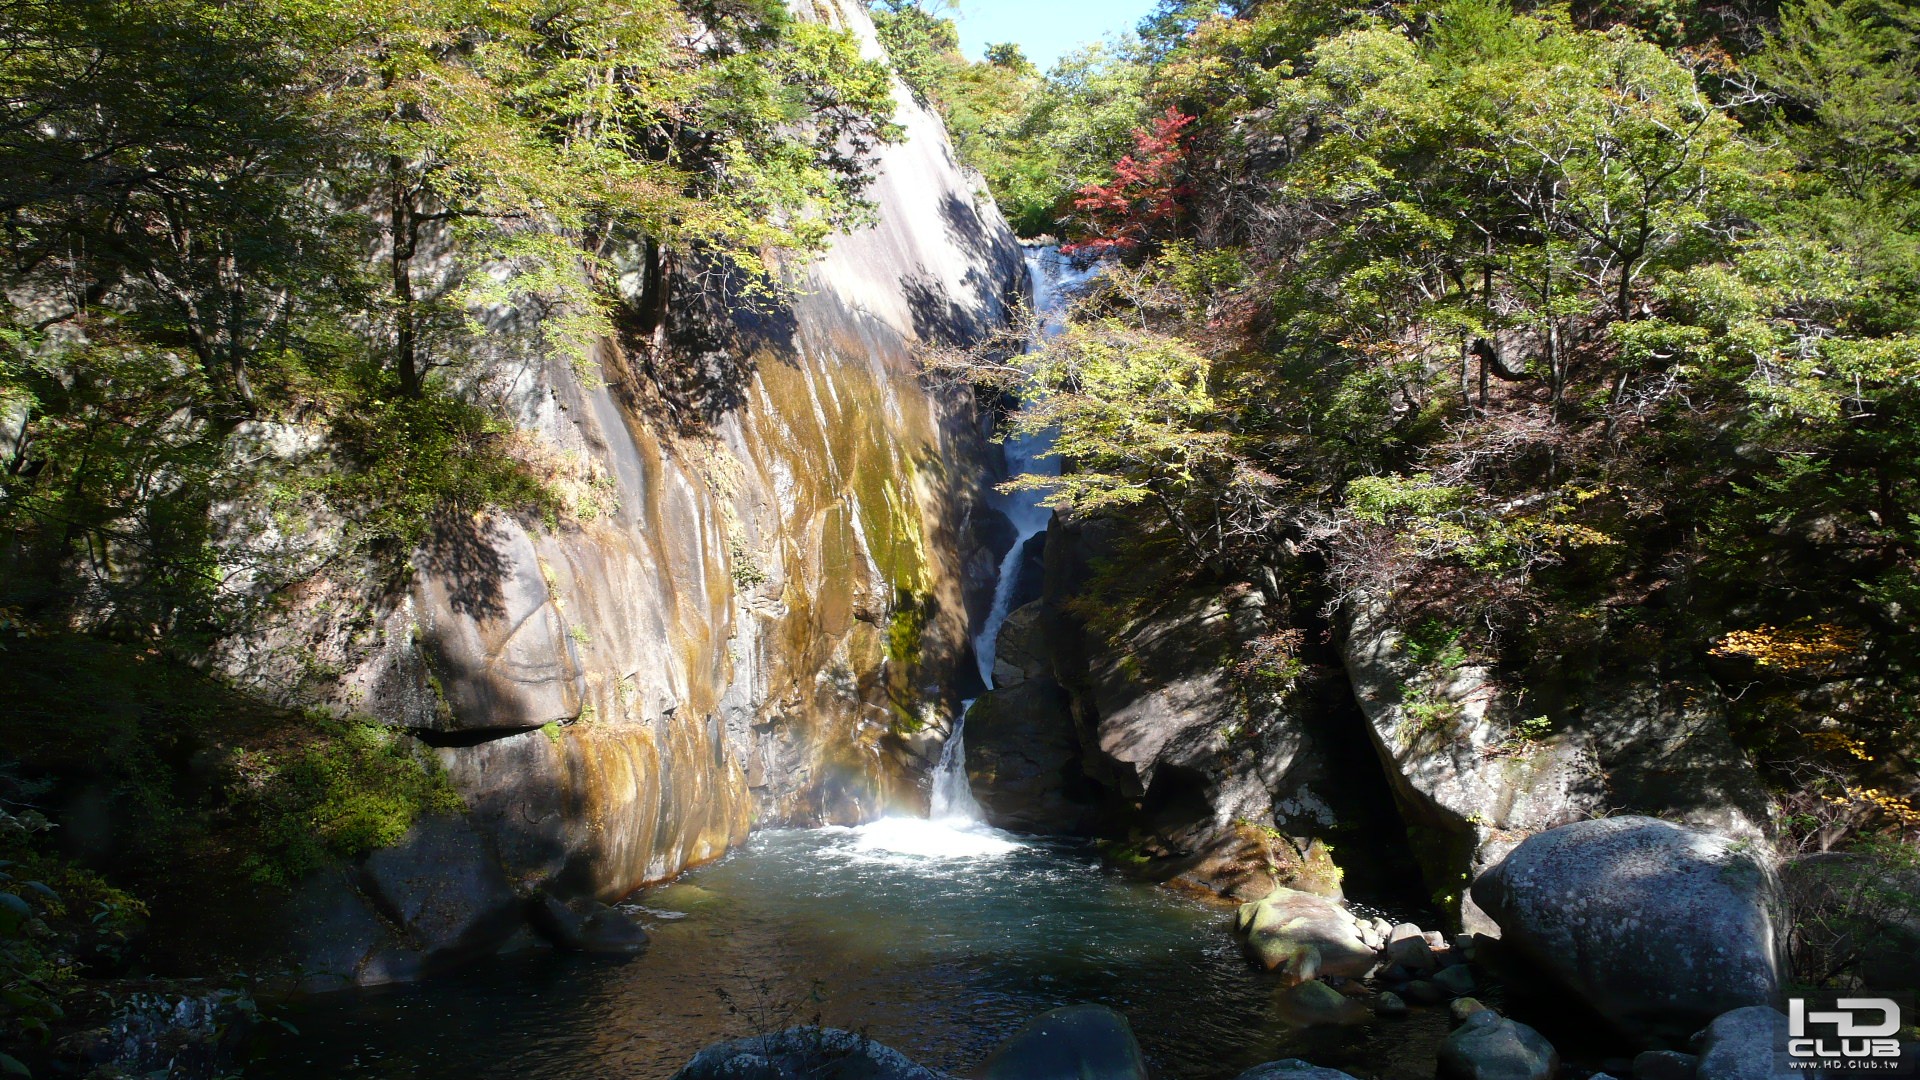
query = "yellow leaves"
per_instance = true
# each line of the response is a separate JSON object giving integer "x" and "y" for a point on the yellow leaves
{"x": 1897, "y": 807}
{"x": 1839, "y": 743}
{"x": 1800, "y": 649}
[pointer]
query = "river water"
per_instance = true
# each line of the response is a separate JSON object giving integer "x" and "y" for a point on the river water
{"x": 938, "y": 937}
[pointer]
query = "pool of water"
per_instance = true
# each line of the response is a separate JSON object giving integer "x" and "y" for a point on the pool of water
{"x": 939, "y": 939}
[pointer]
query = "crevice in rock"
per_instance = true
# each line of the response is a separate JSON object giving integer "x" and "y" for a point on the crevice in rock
{"x": 465, "y": 736}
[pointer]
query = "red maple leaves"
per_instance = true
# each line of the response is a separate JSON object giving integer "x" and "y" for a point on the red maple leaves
{"x": 1144, "y": 194}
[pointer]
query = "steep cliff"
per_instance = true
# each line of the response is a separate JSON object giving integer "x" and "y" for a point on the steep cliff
{"x": 756, "y": 625}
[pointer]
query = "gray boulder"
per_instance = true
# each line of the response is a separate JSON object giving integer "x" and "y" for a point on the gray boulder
{"x": 1409, "y": 948}
{"x": 1490, "y": 1047}
{"x": 1658, "y": 927}
{"x": 1291, "y": 1069}
{"x": 1745, "y": 1044}
{"x": 1079, "y": 1042}
{"x": 803, "y": 1053}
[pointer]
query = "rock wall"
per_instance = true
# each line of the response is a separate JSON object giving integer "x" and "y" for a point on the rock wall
{"x": 1473, "y": 777}
{"x": 758, "y": 626}
{"x": 1205, "y": 777}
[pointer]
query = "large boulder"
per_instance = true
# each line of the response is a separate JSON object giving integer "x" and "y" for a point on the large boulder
{"x": 1079, "y": 1042}
{"x": 1489, "y": 1046}
{"x": 803, "y": 1053}
{"x": 444, "y": 889}
{"x": 1305, "y": 936}
{"x": 1744, "y": 1044}
{"x": 1657, "y": 926}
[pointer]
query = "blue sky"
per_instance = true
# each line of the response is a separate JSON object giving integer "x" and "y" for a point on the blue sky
{"x": 1044, "y": 28}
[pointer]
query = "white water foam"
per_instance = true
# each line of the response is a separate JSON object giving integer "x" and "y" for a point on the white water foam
{"x": 929, "y": 839}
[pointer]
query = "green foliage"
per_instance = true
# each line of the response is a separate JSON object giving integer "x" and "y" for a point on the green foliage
{"x": 51, "y": 913}
{"x": 347, "y": 787}
{"x": 1434, "y": 646}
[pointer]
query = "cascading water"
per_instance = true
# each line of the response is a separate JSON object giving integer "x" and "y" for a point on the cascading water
{"x": 954, "y": 826}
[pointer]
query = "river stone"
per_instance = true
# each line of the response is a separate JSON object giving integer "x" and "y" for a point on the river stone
{"x": 1389, "y": 1003}
{"x": 1457, "y": 980}
{"x": 1659, "y": 927}
{"x": 1291, "y": 1069}
{"x": 803, "y": 1053}
{"x": 1490, "y": 1047}
{"x": 1664, "y": 1065}
{"x": 1463, "y": 1009}
{"x": 1315, "y": 1004}
{"x": 1079, "y": 1042}
{"x": 1410, "y": 949}
{"x": 1742, "y": 1044}
{"x": 1279, "y": 926}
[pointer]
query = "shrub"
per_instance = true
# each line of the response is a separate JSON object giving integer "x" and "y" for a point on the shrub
{"x": 350, "y": 788}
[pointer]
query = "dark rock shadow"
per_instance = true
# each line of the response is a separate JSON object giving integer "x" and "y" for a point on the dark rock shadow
{"x": 463, "y": 551}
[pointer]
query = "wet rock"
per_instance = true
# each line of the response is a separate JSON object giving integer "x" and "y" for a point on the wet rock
{"x": 1291, "y": 1069}
{"x": 1024, "y": 759}
{"x": 1388, "y": 1003}
{"x": 1407, "y": 947}
{"x": 803, "y": 1053}
{"x": 1315, "y": 1004}
{"x": 1461, "y": 1009}
{"x": 1490, "y": 1047}
{"x": 441, "y": 886}
{"x": 1079, "y": 1042}
{"x": 1743, "y": 1044}
{"x": 588, "y": 926}
{"x": 1457, "y": 980}
{"x": 1282, "y": 925}
{"x": 1422, "y": 992}
{"x": 1664, "y": 1065}
{"x": 1659, "y": 927}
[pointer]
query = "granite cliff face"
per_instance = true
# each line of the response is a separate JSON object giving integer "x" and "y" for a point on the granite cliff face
{"x": 760, "y": 625}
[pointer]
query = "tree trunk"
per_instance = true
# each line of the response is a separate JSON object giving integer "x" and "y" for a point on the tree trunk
{"x": 405, "y": 234}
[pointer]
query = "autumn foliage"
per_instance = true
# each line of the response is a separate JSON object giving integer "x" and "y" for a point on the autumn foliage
{"x": 1144, "y": 194}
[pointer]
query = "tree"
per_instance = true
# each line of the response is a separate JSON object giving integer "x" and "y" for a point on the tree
{"x": 1142, "y": 201}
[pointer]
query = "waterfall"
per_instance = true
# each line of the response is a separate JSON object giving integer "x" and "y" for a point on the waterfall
{"x": 1053, "y": 278}
{"x": 952, "y": 795}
